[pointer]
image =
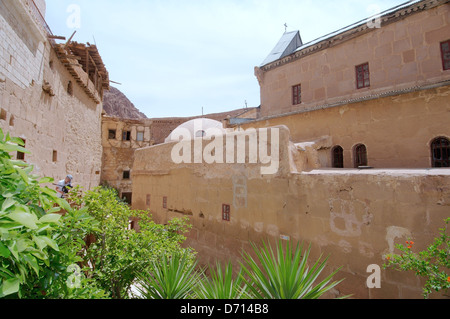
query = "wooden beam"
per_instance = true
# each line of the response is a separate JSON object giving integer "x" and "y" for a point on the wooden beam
{"x": 70, "y": 39}
{"x": 56, "y": 37}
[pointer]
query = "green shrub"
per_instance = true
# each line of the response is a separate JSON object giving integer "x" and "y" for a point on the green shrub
{"x": 173, "y": 277}
{"x": 34, "y": 256}
{"x": 433, "y": 263}
{"x": 120, "y": 253}
{"x": 285, "y": 273}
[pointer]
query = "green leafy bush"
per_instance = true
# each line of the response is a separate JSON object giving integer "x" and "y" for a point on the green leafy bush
{"x": 433, "y": 263}
{"x": 119, "y": 253}
{"x": 36, "y": 247}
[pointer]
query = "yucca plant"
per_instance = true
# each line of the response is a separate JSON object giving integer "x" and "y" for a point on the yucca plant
{"x": 173, "y": 277}
{"x": 285, "y": 274}
{"x": 221, "y": 284}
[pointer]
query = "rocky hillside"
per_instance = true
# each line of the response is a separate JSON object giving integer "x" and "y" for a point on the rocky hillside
{"x": 116, "y": 104}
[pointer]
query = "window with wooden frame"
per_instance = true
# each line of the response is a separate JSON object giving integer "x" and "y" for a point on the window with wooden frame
{"x": 362, "y": 76}
{"x": 226, "y": 212}
{"x": 445, "y": 54}
{"x": 126, "y": 136}
{"x": 440, "y": 152}
{"x": 360, "y": 153}
{"x": 337, "y": 157}
{"x": 297, "y": 94}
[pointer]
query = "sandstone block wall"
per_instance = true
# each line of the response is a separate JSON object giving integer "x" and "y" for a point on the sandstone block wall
{"x": 62, "y": 130}
{"x": 402, "y": 54}
{"x": 354, "y": 216}
{"x": 397, "y": 130}
{"x": 118, "y": 154}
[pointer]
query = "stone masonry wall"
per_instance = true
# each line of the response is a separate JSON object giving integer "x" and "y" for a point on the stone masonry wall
{"x": 62, "y": 130}
{"x": 354, "y": 216}
{"x": 400, "y": 55}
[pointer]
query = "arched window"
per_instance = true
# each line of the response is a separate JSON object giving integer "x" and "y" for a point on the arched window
{"x": 338, "y": 157}
{"x": 360, "y": 152}
{"x": 440, "y": 152}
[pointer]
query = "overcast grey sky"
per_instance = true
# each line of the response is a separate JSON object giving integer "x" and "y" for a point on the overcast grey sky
{"x": 175, "y": 57}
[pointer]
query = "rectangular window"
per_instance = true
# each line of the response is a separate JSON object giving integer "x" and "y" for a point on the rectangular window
{"x": 127, "y": 198}
{"x": 226, "y": 212}
{"x": 165, "y": 202}
{"x": 126, "y": 174}
{"x": 445, "y": 53}
{"x": 126, "y": 136}
{"x": 362, "y": 76}
{"x": 55, "y": 156}
{"x": 140, "y": 136}
{"x": 297, "y": 94}
{"x": 112, "y": 134}
{"x": 21, "y": 155}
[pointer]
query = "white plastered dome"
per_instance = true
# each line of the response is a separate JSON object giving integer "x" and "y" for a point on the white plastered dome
{"x": 201, "y": 127}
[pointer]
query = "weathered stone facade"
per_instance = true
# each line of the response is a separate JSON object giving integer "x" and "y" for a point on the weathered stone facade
{"x": 118, "y": 149}
{"x": 356, "y": 213}
{"x": 120, "y": 139}
{"x": 354, "y": 216}
{"x": 403, "y": 54}
{"x": 43, "y": 103}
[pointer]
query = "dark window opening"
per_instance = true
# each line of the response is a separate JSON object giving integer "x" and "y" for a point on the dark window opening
{"x": 127, "y": 198}
{"x": 55, "y": 156}
{"x": 360, "y": 155}
{"x": 226, "y": 212}
{"x": 338, "y": 157}
{"x": 296, "y": 94}
{"x": 445, "y": 54}
{"x": 126, "y": 175}
{"x": 112, "y": 134}
{"x": 362, "y": 76}
{"x": 70, "y": 88}
{"x": 21, "y": 155}
{"x": 126, "y": 136}
{"x": 3, "y": 115}
{"x": 440, "y": 152}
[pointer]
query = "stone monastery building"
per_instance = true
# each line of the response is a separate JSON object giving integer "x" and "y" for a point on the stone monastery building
{"x": 356, "y": 124}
